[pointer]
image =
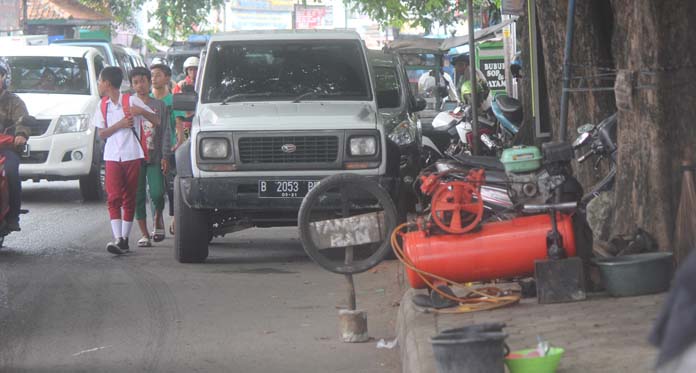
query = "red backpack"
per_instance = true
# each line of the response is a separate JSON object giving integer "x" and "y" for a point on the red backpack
{"x": 126, "y": 110}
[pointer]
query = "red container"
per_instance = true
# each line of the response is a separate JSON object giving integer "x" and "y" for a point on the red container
{"x": 497, "y": 250}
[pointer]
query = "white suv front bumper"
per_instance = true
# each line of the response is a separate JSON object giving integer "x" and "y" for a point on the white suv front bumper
{"x": 62, "y": 156}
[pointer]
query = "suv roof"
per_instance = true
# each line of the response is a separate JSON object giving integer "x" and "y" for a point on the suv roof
{"x": 48, "y": 51}
{"x": 73, "y": 41}
{"x": 286, "y": 35}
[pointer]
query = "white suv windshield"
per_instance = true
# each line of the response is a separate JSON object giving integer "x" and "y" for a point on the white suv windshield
{"x": 286, "y": 70}
{"x": 60, "y": 75}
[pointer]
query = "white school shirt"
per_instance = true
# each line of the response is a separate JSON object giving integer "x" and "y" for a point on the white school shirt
{"x": 122, "y": 145}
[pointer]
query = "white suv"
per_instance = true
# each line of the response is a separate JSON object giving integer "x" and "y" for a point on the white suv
{"x": 275, "y": 112}
{"x": 59, "y": 86}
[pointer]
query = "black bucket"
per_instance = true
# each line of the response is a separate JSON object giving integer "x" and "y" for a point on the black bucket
{"x": 469, "y": 352}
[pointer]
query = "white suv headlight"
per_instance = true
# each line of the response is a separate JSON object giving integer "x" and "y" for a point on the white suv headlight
{"x": 72, "y": 123}
{"x": 363, "y": 145}
{"x": 215, "y": 148}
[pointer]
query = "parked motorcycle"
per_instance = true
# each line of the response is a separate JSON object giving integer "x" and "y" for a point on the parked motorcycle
{"x": 601, "y": 139}
{"x": 509, "y": 115}
{"x": 456, "y": 128}
{"x": 507, "y": 187}
{"x": 523, "y": 177}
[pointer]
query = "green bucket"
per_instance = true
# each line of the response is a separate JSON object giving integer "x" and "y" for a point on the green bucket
{"x": 535, "y": 364}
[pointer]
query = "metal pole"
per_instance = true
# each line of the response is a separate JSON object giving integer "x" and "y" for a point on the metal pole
{"x": 570, "y": 25}
{"x": 24, "y": 17}
{"x": 472, "y": 71}
{"x": 348, "y": 255}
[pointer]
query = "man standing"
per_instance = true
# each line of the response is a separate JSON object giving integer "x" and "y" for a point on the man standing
{"x": 118, "y": 120}
{"x": 461, "y": 67}
{"x": 12, "y": 110}
{"x": 161, "y": 76}
{"x": 155, "y": 139}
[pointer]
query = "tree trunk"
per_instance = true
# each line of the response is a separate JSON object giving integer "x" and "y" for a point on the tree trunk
{"x": 651, "y": 40}
{"x": 655, "y": 43}
{"x": 591, "y": 57}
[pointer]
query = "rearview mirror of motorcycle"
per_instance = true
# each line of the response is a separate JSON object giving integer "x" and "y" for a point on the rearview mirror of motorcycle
{"x": 586, "y": 128}
{"x": 581, "y": 140}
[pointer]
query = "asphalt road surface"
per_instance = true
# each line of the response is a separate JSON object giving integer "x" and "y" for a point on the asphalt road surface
{"x": 257, "y": 305}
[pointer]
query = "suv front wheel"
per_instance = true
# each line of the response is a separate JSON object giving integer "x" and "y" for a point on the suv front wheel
{"x": 191, "y": 229}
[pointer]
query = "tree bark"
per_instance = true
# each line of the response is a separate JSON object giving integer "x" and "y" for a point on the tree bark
{"x": 655, "y": 42}
{"x": 650, "y": 40}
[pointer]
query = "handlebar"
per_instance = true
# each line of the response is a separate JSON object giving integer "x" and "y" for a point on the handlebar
{"x": 566, "y": 206}
{"x": 587, "y": 155}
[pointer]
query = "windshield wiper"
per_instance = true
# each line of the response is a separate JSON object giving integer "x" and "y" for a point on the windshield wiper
{"x": 301, "y": 97}
{"x": 324, "y": 94}
{"x": 238, "y": 96}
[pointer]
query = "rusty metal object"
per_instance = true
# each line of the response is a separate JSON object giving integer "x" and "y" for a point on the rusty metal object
{"x": 353, "y": 326}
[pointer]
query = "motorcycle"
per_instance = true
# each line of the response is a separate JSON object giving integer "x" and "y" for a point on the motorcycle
{"x": 601, "y": 139}
{"x": 455, "y": 126}
{"x": 508, "y": 114}
{"x": 7, "y": 142}
{"x": 506, "y": 190}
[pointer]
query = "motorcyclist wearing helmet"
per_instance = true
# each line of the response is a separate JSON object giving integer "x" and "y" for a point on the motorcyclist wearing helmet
{"x": 461, "y": 66}
{"x": 191, "y": 70}
{"x": 13, "y": 112}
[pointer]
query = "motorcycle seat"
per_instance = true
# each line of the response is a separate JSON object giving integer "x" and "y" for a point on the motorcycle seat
{"x": 511, "y": 108}
{"x": 480, "y": 161}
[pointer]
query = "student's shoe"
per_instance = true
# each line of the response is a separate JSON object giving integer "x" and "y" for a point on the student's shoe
{"x": 158, "y": 235}
{"x": 114, "y": 248}
{"x": 123, "y": 245}
{"x": 144, "y": 242}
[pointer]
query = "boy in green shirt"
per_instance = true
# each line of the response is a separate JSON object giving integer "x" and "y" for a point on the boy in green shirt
{"x": 161, "y": 77}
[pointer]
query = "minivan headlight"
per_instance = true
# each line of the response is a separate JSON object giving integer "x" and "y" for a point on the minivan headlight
{"x": 403, "y": 134}
{"x": 363, "y": 145}
{"x": 72, "y": 123}
{"x": 215, "y": 148}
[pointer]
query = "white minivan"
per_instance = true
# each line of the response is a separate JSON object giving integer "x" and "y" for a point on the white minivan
{"x": 59, "y": 86}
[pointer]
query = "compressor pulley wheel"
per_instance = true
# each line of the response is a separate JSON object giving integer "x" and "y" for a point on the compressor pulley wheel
{"x": 345, "y": 223}
{"x": 457, "y": 207}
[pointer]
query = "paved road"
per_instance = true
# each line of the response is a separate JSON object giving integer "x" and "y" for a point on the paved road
{"x": 257, "y": 305}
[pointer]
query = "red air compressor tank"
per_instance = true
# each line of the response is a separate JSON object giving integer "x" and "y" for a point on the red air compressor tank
{"x": 500, "y": 249}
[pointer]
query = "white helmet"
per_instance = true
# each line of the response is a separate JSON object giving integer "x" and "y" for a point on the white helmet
{"x": 191, "y": 62}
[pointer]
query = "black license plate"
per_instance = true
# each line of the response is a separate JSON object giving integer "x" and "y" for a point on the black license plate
{"x": 285, "y": 188}
{"x": 24, "y": 151}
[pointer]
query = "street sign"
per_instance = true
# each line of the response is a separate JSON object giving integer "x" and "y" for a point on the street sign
{"x": 11, "y": 19}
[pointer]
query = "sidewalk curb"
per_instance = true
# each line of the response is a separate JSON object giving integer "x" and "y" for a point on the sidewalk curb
{"x": 413, "y": 329}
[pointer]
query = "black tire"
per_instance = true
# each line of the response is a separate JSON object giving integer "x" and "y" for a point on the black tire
{"x": 92, "y": 185}
{"x": 324, "y": 257}
{"x": 192, "y": 229}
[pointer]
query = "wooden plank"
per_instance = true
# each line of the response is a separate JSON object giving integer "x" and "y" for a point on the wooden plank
{"x": 351, "y": 231}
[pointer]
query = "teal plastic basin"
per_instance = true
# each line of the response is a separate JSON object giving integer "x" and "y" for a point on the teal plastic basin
{"x": 639, "y": 274}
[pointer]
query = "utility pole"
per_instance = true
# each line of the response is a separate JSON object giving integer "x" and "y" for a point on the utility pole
{"x": 472, "y": 72}
{"x": 24, "y": 17}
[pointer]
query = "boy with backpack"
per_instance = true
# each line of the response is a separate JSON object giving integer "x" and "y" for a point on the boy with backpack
{"x": 155, "y": 142}
{"x": 118, "y": 120}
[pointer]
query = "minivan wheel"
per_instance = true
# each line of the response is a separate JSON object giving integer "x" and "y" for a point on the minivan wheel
{"x": 192, "y": 229}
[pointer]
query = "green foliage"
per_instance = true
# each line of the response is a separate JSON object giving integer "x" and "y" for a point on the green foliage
{"x": 176, "y": 18}
{"x": 423, "y": 13}
{"x": 121, "y": 10}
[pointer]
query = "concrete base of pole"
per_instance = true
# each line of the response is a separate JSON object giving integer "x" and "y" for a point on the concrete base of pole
{"x": 353, "y": 326}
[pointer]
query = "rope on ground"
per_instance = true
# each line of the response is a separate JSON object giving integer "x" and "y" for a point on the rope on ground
{"x": 476, "y": 300}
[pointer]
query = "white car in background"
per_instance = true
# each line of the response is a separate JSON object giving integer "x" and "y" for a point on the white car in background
{"x": 59, "y": 86}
